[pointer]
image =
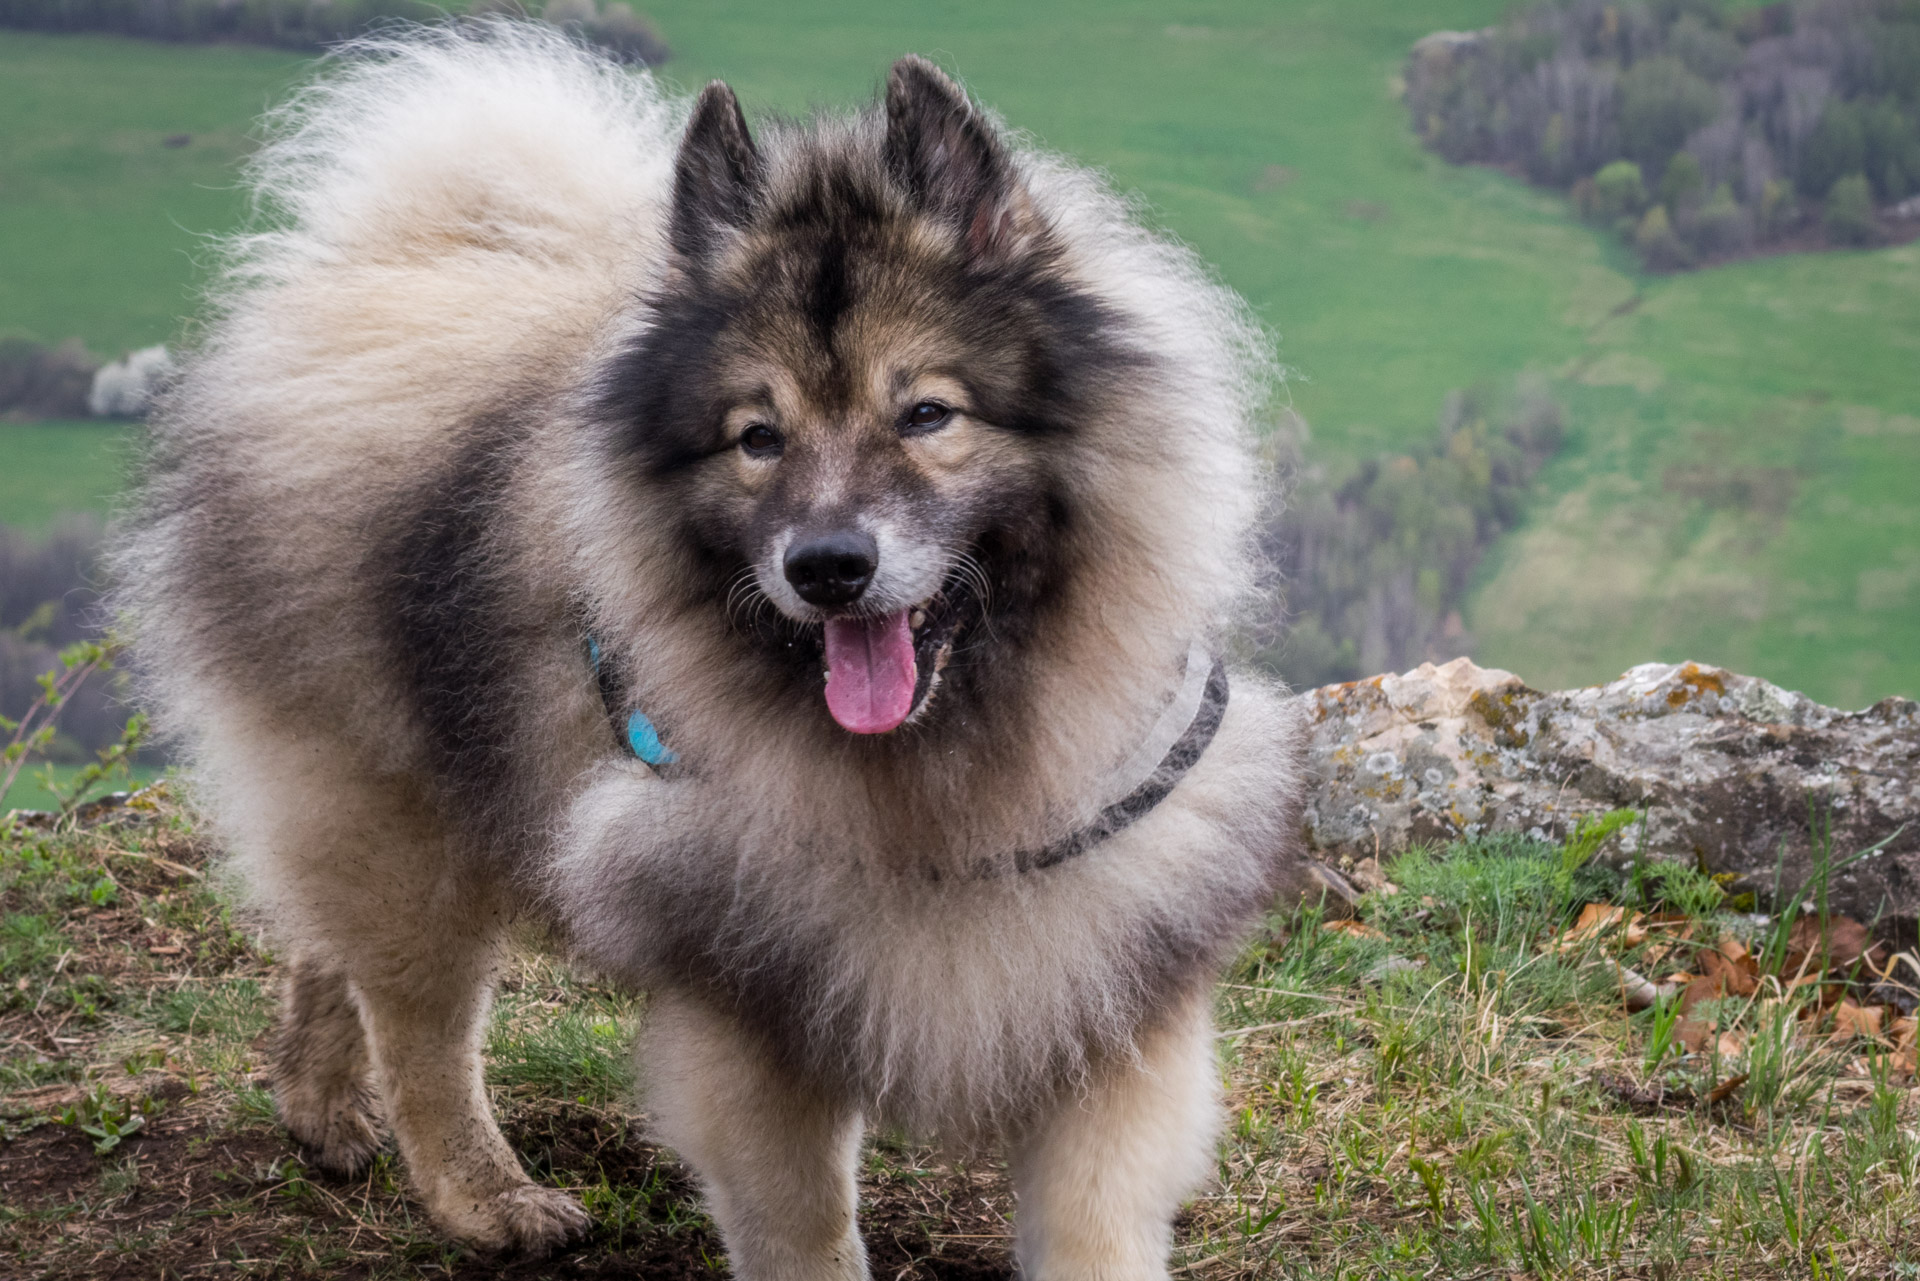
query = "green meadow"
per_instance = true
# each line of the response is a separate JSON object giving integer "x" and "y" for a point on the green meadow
{"x": 1744, "y": 444}
{"x": 60, "y": 469}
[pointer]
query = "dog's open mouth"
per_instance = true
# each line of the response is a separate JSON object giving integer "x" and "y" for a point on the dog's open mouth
{"x": 882, "y": 668}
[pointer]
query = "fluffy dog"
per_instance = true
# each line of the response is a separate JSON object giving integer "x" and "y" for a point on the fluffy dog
{"x": 791, "y": 565}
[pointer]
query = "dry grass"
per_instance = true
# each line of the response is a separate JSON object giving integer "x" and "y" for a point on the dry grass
{"x": 1435, "y": 1090}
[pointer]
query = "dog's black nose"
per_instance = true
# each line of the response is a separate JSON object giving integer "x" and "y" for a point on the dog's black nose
{"x": 832, "y": 568}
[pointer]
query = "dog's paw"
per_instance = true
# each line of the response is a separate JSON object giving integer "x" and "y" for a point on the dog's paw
{"x": 341, "y": 1134}
{"x": 526, "y": 1220}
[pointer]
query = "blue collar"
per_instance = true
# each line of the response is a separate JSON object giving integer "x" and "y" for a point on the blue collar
{"x": 635, "y": 729}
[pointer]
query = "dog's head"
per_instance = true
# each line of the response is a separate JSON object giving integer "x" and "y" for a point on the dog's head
{"x": 864, "y": 384}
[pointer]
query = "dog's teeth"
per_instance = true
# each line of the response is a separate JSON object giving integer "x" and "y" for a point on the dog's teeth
{"x": 917, "y": 619}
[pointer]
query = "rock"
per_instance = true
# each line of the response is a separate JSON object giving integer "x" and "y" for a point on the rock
{"x": 1734, "y": 773}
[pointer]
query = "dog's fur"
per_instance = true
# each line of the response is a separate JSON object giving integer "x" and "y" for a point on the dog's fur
{"x": 475, "y": 396}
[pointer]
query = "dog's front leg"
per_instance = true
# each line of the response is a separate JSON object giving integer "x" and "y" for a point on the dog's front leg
{"x": 776, "y": 1160}
{"x": 1099, "y": 1180}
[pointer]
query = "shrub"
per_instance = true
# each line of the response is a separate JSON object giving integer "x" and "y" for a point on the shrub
{"x": 1373, "y": 571}
{"x": 49, "y": 601}
{"x": 1836, "y": 147}
{"x": 1722, "y": 226}
{"x": 1661, "y": 102}
{"x": 1891, "y": 145}
{"x": 44, "y": 382}
{"x": 1659, "y": 246}
{"x": 1779, "y": 210}
{"x": 1618, "y": 191}
{"x": 1849, "y": 213}
{"x": 1683, "y": 183}
{"x": 1707, "y": 52}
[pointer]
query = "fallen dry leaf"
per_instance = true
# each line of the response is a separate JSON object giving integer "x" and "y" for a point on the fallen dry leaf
{"x": 1599, "y": 919}
{"x": 1353, "y": 926}
{"x": 1736, "y": 978}
{"x": 1812, "y": 952}
{"x": 1850, "y": 1018}
{"x": 1697, "y": 1035}
{"x": 1700, "y": 989}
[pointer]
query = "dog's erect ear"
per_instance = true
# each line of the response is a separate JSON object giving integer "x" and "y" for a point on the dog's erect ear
{"x": 946, "y": 156}
{"x": 717, "y": 175}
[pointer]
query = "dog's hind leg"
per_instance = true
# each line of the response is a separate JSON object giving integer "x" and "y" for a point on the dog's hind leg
{"x": 1099, "y": 1180}
{"x": 425, "y": 984}
{"x": 776, "y": 1160}
{"x": 322, "y": 1082}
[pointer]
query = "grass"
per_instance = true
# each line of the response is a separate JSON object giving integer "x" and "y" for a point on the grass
{"x": 51, "y": 470}
{"x": 104, "y": 219}
{"x": 1738, "y": 490}
{"x": 1494, "y": 1110}
{"x": 1269, "y": 137}
{"x": 1444, "y": 1086}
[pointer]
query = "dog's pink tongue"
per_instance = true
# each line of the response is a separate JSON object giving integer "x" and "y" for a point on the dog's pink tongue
{"x": 870, "y": 672}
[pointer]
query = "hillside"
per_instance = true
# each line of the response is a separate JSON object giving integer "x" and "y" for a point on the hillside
{"x": 1731, "y": 487}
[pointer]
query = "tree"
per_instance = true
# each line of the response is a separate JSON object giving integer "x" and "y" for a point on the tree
{"x": 1661, "y": 102}
{"x": 1618, "y": 192}
{"x": 1682, "y": 184}
{"x": 1849, "y": 214}
{"x": 1891, "y": 146}
{"x": 1836, "y": 147}
{"x": 1779, "y": 211}
{"x": 1722, "y": 226}
{"x": 1660, "y": 248}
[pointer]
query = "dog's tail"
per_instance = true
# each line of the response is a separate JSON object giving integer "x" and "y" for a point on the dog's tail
{"x": 454, "y": 202}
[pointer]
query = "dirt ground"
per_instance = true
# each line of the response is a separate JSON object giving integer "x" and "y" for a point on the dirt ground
{"x": 124, "y": 937}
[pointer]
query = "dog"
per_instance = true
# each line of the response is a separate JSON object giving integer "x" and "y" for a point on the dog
{"x": 793, "y": 565}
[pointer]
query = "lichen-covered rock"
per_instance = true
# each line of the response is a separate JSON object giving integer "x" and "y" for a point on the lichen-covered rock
{"x": 1733, "y": 772}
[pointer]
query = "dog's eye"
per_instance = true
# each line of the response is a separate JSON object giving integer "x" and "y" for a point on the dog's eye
{"x": 761, "y": 441}
{"x": 928, "y": 415}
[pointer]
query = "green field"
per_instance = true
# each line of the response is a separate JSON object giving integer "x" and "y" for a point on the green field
{"x": 56, "y": 469}
{"x": 1737, "y": 484}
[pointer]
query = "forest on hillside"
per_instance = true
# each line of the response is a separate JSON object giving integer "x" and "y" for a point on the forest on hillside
{"x": 314, "y": 24}
{"x": 1698, "y": 132}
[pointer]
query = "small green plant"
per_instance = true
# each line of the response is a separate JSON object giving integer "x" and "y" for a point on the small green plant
{"x": 1774, "y": 1060}
{"x": 110, "y": 763}
{"x": 33, "y": 733}
{"x": 1663, "y": 1018}
{"x": 1588, "y": 835}
{"x": 1434, "y": 1181}
{"x": 107, "y": 1118}
{"x": 1883, "y": 1108}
